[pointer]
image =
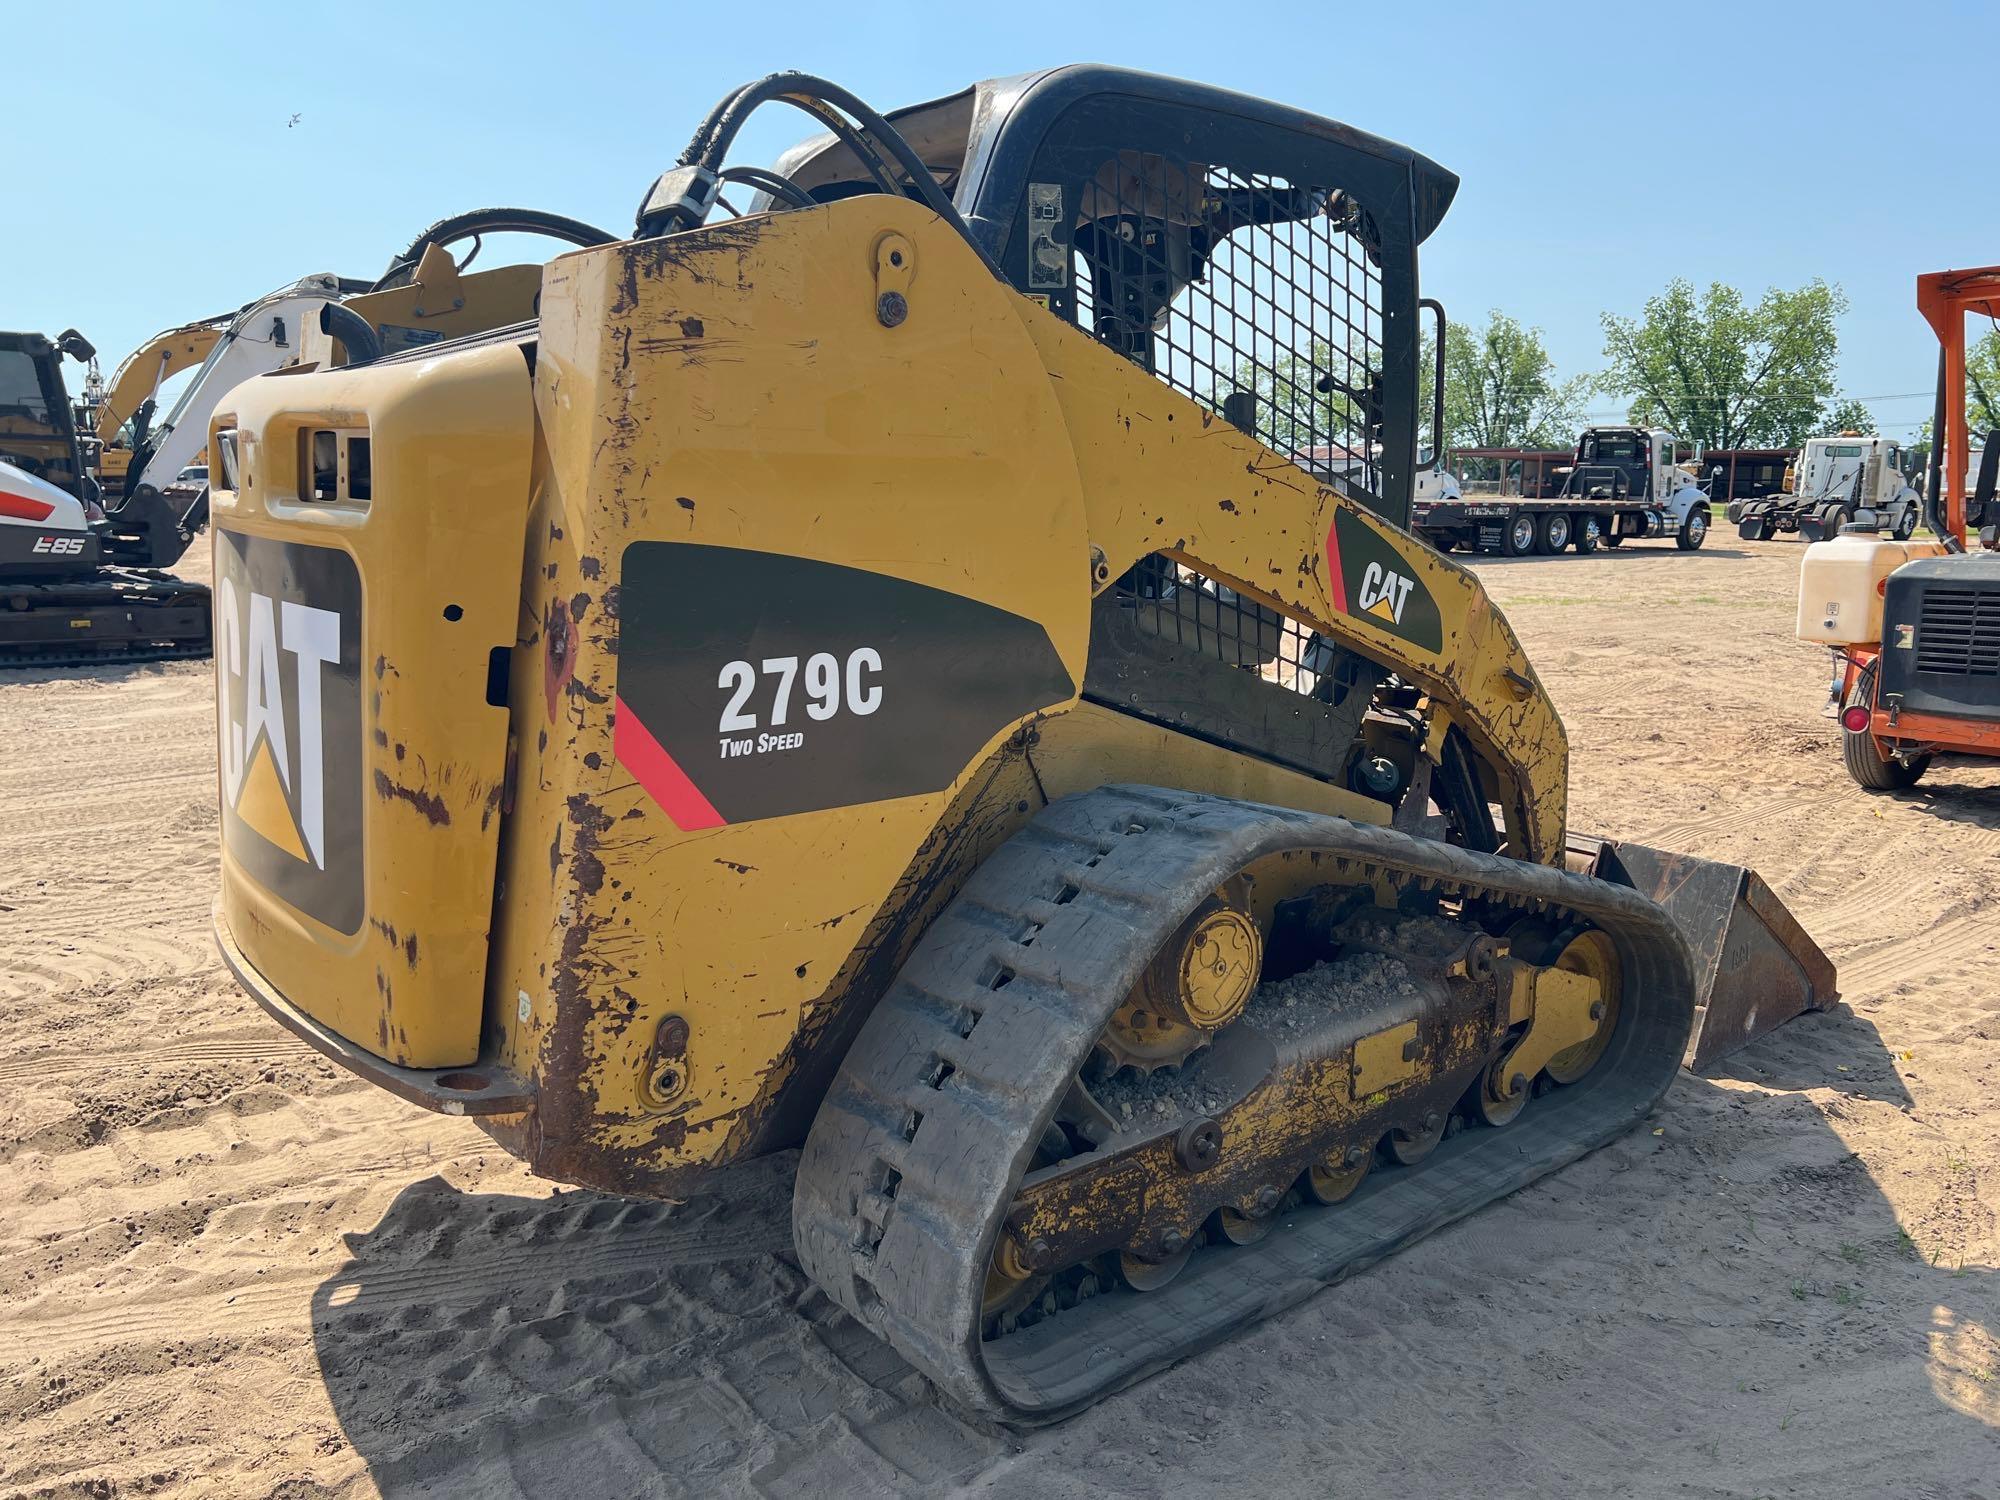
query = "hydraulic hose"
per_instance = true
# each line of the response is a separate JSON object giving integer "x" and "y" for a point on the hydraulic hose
{"x": 825, "y": 102}
{"x": 354, "y": 332}
{"x": 818, "y": 97}
{"x": 483, "y": 221}
{"x": 1934, "y": 482}
{"x": 772, "y": 183}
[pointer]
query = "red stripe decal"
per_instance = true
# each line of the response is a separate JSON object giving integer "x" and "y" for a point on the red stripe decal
{"x": 24, "y": 507}
{"x": 660, "y": 774}
{"x": 1336, "y": 582}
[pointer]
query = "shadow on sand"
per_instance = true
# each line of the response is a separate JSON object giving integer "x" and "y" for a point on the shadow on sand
{"x": 110, "y": 671}
{"x": 485, "y": 1344}
{"x": 1955, "y": 802}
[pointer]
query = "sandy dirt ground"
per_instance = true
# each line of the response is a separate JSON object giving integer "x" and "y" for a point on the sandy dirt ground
{"x": 228, "y": 1269}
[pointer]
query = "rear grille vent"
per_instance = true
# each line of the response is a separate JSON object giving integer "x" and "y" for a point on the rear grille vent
{"x": 1958, "y": 633}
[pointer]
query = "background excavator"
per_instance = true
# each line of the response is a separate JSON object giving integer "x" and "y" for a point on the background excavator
{"x": 853, "y": 676}
{"x": 117, "y": 416}
{"x": 62, "y": 576}
{"x": 38, "y": 434}
{"x": 84, "y": 543}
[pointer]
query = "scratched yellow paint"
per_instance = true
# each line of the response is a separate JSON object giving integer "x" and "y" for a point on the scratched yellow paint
{"x": 1161, "y": 475}
{"x": 450, "y": 484}
{"x": 734, "y": 387}
{"x": 737, "y": 389}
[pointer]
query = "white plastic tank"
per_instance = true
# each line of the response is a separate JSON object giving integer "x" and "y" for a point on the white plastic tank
{"x": 1840, "y": 586}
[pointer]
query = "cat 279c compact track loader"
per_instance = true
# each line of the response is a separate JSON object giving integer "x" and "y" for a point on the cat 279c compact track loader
{"x": 867, "y": 673}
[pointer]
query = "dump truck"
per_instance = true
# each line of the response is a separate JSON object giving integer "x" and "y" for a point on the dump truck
{"x": 1828, "y": 485}
{"x": 836, "y": 681}
{"x": 1624, "y": 484}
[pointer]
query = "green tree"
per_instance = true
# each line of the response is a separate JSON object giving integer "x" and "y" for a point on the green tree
{"x": 1291, "y": 413}
{"x": 1982, "y": 384}
{"x": 1982, "y": 395}
{"x": 1850, "y": 416}
{"x": 1722, "y": 373}
{"x": 1500, "y": 389}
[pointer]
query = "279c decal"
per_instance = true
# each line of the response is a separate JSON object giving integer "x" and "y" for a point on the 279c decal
{"x": 830, "y": 686}
{"x": 759, "y": 685}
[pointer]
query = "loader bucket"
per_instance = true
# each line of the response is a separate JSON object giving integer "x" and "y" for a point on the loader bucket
{"x": 1755, "y": 967}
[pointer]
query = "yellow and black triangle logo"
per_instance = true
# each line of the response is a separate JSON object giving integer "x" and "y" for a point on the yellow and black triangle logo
{"x": 263, "y": 806}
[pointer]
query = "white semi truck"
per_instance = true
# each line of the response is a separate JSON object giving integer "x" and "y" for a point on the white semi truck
{"x": 1831, "y": 480}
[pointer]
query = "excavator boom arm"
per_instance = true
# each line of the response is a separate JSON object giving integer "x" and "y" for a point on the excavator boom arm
{"x": 150, "y": 366}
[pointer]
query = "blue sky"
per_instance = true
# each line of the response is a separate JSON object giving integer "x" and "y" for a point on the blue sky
{"x": 1603, "y": 148}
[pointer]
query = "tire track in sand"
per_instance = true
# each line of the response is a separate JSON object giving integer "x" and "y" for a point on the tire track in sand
{"x": 251, "y": 1050}
{"x": 572, "y": 1243}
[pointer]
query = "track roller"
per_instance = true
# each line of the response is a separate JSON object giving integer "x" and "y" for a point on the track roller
{"x": 1334, "y": 1180}
{"x": 965, "y": 1181}
{"x": 1408, "y": 1147}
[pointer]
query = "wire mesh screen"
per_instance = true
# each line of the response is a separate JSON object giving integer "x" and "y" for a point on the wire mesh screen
{"x": 1174, "y": 604}
{"x": 1255, "y": 296}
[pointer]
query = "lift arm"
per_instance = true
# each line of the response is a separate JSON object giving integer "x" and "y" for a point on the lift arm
{"x": 150, "y": 366}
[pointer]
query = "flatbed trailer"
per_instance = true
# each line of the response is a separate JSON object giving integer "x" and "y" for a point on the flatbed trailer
{"x": 1515, "y": 527}
{"x": 1623, "y": 483}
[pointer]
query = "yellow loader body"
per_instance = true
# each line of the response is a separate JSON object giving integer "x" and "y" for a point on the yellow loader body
{"x": 936, "y": 683}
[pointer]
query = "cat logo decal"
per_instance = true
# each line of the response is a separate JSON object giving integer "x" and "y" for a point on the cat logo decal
{"x": 1371, "y": 580}
{"x": 288, "y": 715}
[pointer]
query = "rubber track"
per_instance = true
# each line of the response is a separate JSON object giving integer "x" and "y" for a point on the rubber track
{"x": 923, "y": 1137}
{"x": 110, "y": 656}
{"x": 138, "y": 588}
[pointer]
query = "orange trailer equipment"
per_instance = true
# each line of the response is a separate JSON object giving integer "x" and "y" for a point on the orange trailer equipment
{"x": 1915, "y": 627}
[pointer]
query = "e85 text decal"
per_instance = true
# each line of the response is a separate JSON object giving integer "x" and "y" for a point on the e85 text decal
{"x": 754, "y": 685}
